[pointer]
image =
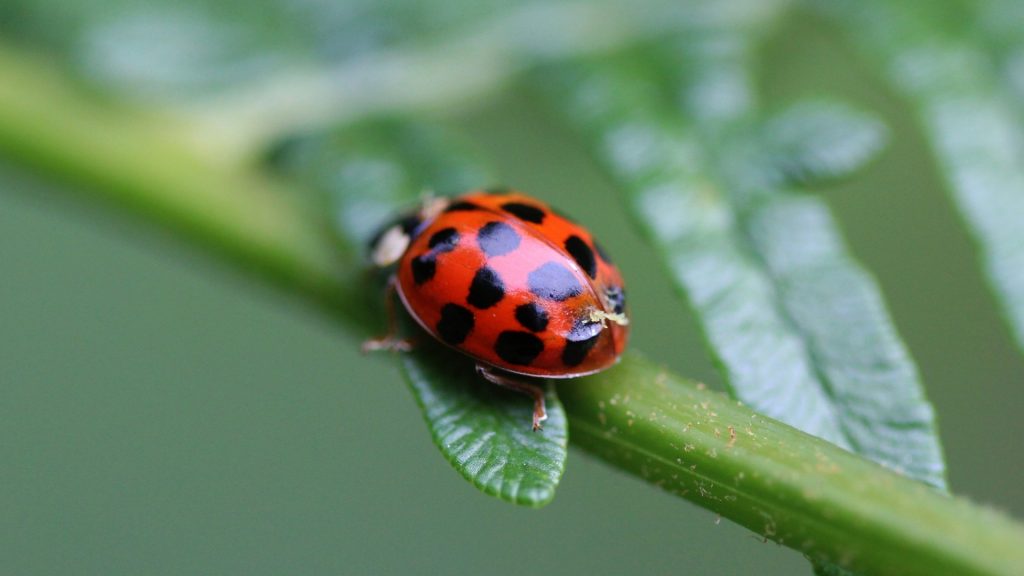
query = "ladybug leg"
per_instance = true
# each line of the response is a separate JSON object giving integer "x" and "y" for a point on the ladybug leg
{"x": 540, "y": 413}
{"x": 389, "y": 341}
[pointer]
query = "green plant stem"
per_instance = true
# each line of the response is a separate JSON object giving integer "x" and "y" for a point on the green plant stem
{"x": 148, "y": 164}
{"x": 781, "y": 483}
{"x": 785, "y": 485}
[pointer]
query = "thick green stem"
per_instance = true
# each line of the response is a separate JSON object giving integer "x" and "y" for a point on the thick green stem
{"x": 783, "y": 484}
{"x": 149, "y": 164}
{"x": 788, "y": 486}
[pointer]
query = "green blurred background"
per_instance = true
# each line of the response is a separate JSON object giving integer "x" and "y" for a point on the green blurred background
{"x": 160, "y": 415}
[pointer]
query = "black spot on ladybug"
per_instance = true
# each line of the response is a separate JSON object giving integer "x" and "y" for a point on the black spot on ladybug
{"x": 424, "y": 267}
{"x": 487, "y": 288}
{"x": 456, "y": 323}
{"x": 532, "y": 316}
{"x": 497, "y": 238}
{"x": 524, "y": 212}
{"x": 582, "y": 254}
{"x": 552, "y": 281}
{"x": 580, "y": 341}
{"x": 519, "y": 348}
{"x": 616, "y": 298}
{"x": 444, "y": 240}
{"x": 602, "y": 253}
{"x": 462, "y": 206}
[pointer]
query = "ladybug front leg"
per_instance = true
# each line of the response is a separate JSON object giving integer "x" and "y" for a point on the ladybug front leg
{"x": 389, "y": 341}
{"x": 540, "y": 413}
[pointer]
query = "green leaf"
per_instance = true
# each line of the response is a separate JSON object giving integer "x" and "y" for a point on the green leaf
{"x": 367, "y": 174}
{"x": 197, "y": 49}
{"x": 967, "y": 111}
{"x": 799, "y": 329}
{"x": 659, "y": 165}
{"x": 815, "y": 141}
{"x": 838, "y": 310}
{"x": 1001, "y": 26}
{"x": 484, "y": 431}
{"x": 829, "y": 302}
{"x": 247, "y": 72}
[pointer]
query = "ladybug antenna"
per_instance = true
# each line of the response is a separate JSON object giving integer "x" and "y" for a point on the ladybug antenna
{"x": 598, "y": 315}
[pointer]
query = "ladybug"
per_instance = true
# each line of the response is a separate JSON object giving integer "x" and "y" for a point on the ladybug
{"x": 500, "y": 277}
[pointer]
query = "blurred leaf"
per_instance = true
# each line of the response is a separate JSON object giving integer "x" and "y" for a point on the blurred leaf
{"x": 1001, "y": 25}
{"x": 826, "y": 299}
{"x": 367, "y": 171}
{"x": 814, "y": 141}
{"x": 975, "y": 131}
{"x": 660, "y": 166}
{"x": 797, "y": 326}
{"x": 245, "y": 73}
{"x": 197, "y": 48}
{"x": 163, "y": 50}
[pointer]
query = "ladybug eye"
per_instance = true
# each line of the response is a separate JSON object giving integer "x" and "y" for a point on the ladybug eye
{"x": 390, "y": 247}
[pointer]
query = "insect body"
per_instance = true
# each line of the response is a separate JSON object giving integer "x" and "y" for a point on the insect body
{"x": 507, "y": 281}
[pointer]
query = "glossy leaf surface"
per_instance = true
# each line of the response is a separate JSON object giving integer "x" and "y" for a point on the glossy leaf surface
{"x": 484, "y": 431}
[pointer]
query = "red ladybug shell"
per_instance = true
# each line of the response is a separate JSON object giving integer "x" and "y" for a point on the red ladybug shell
{"x": 503, "y": 279}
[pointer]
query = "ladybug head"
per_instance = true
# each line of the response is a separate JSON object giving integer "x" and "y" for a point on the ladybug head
{"x": 392, "y": 240}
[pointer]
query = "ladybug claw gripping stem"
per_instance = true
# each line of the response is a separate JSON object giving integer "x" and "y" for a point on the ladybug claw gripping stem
{"x": 540, "y": 413}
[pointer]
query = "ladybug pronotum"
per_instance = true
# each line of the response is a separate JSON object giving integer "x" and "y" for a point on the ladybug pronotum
{"x": 502, "y": 278}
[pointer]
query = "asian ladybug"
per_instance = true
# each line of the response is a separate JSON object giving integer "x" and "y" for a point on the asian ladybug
{"x": 502, "y": 278}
